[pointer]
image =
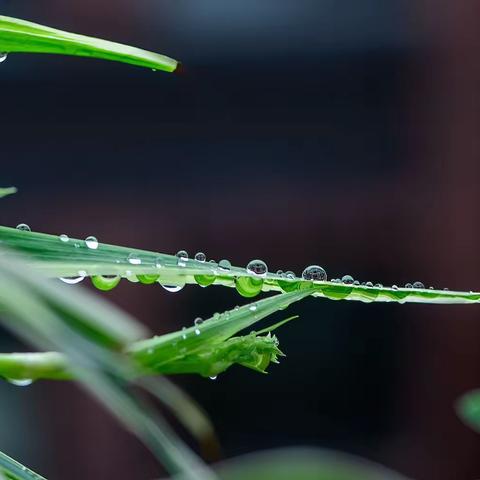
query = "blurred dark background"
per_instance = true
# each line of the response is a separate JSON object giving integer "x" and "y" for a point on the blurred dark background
{"x": 304, "y": 131}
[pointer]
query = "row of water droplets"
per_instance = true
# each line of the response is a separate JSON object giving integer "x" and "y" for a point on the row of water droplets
{"x": 256, "y": 268}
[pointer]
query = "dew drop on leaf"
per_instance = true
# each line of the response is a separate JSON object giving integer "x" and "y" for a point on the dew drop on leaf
{"x": 224, "y": 265}
{"x": 348, "y": 279}
{"x": 200, "y": 257}
{"x": 198, "y": 321}
{"x": 408, "y": 285}
{"x": 3, "y": 56}
{"x": 91, "y": 242}
{"x": 105, "y": 282}
{"x": 72, "y": 280}
{"x": 257, "y": 267}
{"x": 23, "y": 227}
{"x": 63, "y": 238}
{"x": 172, "y": 288}
{"x": 182, "y": 257}
{"x": 24, "y": 382}
{"x": 134, "y": 259}
{"x": 314, "y": 272}
{"x": 418, "y": 285}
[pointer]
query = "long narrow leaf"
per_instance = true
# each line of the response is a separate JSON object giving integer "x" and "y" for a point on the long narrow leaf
{"x": 22, "y": 36}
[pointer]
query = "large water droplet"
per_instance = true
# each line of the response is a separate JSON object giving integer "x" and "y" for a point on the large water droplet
{"x": 200, "y": 257}
{"x": 148, "y": 278}
{"x": 418, "y": 285}
{"x": 134, "y": 259}
{"x": 314, "y": 272}
{"x": 369, "y": 284}
{"x": 23, "y": 227}
{"x": 197, "y": 331}
{"x": 257, "y": 267}
{"x": 24, "y": 382}
{"x": 248, "y": 286}
{"x": 3, "y": 56}
{"x": 91, "y": 242}
{"x": 105, "y": 282}
{"x": 63, "y": 238}
{"x": 224, "y": 265}
{"x": 348, "y": 279}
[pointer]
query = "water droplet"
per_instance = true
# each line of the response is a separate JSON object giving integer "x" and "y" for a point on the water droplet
{"x": 348, "y": 279}
{"x": 73, "y": 280}
{"x": 418, "y": 285}
{"x": 172, "y": 288}
{"x": 314, "y": 272}
{"x": 213, "y": 378}
{"x": 379, "y": 285}
{"x": 335, "y": 280}
{"x": 198, "y": 321}
{"x": 408, "y": 285}
{"x": 197, "y": 331}
{"x": 24, "y": 382}
{"x": 200, "y": 257}
{"x": 148, "y": 278}
{"x": 248, "y": 286}
{"x": 23, "y": 227}
{"x": 224, "y": 265}
{"x": 105, "y": 282}
{"x": 182, "y": 257}
{"x": 356, "y": 282}
{"x": 3, "y": 56}
{"x": 290, "y": 274}
{"x": 91, "y": 242}
{"x": 431, "y": 288}
{"x": 280, "y": 272}
{"x": 394, "y": 287}
{"x": 369, "y": 284}
{"x": 184, "y": 333}
{"x": 159, "y": 262}
{"x": 257, "y": 267}
{"x": 134, "y": 259}
{"x": 446, "y": 288}
{"x": 252, "y": 308}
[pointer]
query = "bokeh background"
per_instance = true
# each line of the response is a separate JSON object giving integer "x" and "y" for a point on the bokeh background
{"x": 343, "y": 133}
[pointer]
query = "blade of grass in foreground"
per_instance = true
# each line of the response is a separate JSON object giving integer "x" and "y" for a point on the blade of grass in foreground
{"x": 73, "y": 259}
{"x": 22, "y": 36}
{"x": 29, "y": 308}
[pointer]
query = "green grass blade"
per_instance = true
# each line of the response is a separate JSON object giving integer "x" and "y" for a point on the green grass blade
{"x": 7, "y": 191}
{"x": 22, "y": 36}
{"x": 13, "y": 470}
{"x": 29, "y": 306}
{"x": 56, "y": 258}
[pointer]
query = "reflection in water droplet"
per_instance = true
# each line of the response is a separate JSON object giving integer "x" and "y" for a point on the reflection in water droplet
{"x": 64, "y": 238}
{"x": 91, "y": 242}
{"x": 257, "y": 267}
{"x": 280, "y": 272}
{"x": 182, "y": 257}
{"x": 348, "y": 279}
{"x": 24, "y": 382}
{"x": 356, "y": 282}
{"x": 314, "y": 272}
{"x": 105, "y": 282}
{"x": 379, "y": 285}
{"x": 23, "y": 227}
{"x": 134, "y": 259}
{"x": 418, "y": 285}
{"x": 200, "y": 257}
{"x": 3, "y": 56}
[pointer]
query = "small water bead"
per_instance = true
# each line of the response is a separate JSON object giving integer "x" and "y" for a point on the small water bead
{"x": 257, "y": 267}
{"x": 369, "y": 284}
{"x": 184, "y": 333}
{"x": 63, "y": 238}
{"x": 172, "y": 288}
{"x": 91, "y": 242}
{"x": 159, "y": 262}
{"x": 446, "y": 288}
{"x": 280, "y": 272}
{"x": 394, "y": 287}
{"x": 197, "y": 331}
{"x": 105, "y": 282}
{"x": 198, "y": 321}
{"x": 200, "y": 257}
{"x": 379, "y": 285}
{"x": 213, "y": 378}
{"x": 348, "y": 279}
{"x": 408, "y": 285}
{"x": 182, "y": 257}
{"x": 23, "y": 227}
{"x": 224, "y": 265}
{"x": 24, "y": 382}
{"x": 356, "y": 282}
{"x": 418, "y": 285}
{"x": 3, "y": 56}
{"x": 290, "y": 274}
{"x": 134, "y": 259}
{"x": 252, "y": 308}
{"x": 314, "y": 272}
